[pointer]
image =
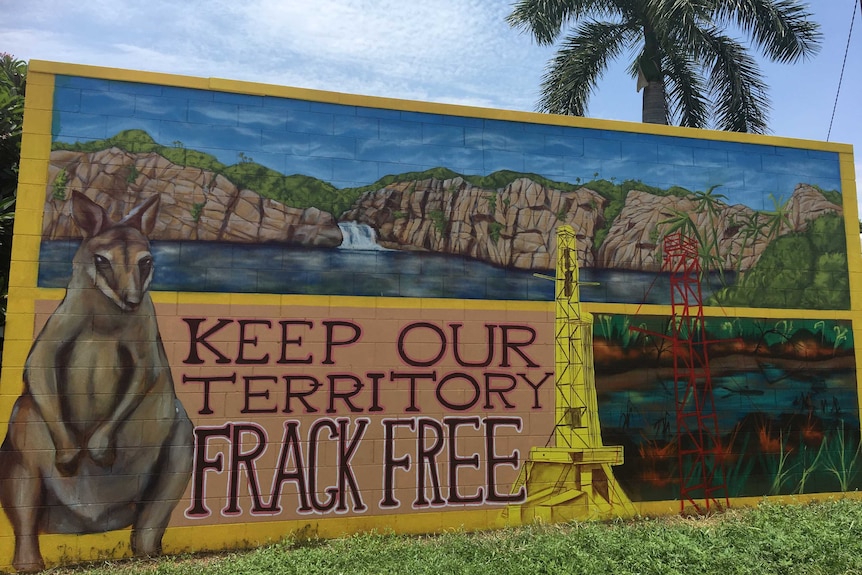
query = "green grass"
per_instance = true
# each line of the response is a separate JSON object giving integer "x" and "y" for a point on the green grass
{"x": 811, "y": 539}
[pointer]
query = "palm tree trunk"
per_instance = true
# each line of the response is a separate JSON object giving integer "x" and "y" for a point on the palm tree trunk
{"x": 651, "y": 77}
{"x": 654, "y": 103}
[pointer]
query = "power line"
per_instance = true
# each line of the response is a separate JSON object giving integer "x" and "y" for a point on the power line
{"x": 843, "y": 65}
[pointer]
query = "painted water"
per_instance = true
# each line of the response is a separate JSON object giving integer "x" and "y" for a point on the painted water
{"x": 781, "y": 431}
{"x": 359, "y": 237}
{"x": 771, "y": 390}
{"x": 359, "y": 268}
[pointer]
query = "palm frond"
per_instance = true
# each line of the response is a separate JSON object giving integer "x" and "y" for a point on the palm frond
{"x": 783, "y": 29}
{"x": 675, "y": 24}
{"x": 544, "y": 19}
{"x": 736, "y": 85}
{"x": 582, "y": 59}
{"x": 686, "y": 89}
{"x": 708, "y": 77}
{"x": 678, "y": 17}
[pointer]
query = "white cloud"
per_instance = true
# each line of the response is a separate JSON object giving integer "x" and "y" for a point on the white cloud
{"x": 414, "y": 50}
{"x": 455, "y": 51}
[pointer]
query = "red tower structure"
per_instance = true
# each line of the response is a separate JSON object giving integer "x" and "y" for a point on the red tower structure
{"x": 702, "y": 478}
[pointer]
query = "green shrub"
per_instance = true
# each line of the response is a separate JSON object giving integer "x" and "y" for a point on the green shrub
{"x": 494, "y": 230}
{"x": 61, "y": 182}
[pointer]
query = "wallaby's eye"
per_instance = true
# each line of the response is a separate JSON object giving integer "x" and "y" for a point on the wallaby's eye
{"x": 146, "y": 266}
{"x": 101, "y": 262}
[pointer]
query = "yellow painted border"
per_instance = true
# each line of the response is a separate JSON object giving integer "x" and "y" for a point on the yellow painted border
{"x": 36, "y": 146}
{"x": 23, "y": 273}
{"x": 59, "y": 549}
{"x": 658, "y": 508}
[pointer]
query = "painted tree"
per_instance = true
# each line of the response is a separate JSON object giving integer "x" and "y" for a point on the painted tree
{"x": 692, "y": 71}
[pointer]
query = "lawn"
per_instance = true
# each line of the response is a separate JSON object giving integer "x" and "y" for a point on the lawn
{"x": 814, "y": 538}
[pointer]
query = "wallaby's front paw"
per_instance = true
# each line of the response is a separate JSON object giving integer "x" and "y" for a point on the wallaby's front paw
{"x": 101, "y": 450}
{"x": 66, "y": 460}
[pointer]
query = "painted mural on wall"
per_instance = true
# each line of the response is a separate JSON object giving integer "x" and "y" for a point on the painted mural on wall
{"x": 98, "y": 440}
{"x": 785, "y": 396}
{"x": 305, "y": 412}
{"x": 343, "y": 200}
{"x": 253, "y": 406}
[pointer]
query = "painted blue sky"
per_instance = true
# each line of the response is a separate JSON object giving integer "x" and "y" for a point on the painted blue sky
{"x": 354, "y": 146}
{"x": 452, "y": 51}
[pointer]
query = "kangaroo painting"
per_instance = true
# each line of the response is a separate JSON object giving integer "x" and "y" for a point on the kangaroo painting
{"x": 98, "y": 440}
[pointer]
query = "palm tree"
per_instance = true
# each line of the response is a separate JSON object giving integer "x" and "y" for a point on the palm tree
{"x": 691, "y": 71}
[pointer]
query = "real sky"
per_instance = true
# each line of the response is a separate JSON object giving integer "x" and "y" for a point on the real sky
{"x": 451, "y": 51}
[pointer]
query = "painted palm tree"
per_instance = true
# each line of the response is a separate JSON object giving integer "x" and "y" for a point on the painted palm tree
{"x": 778, "y": 219}
{"x": 691, "y": 71}
{"x": 709, "y": 202}
{"x": 751, "y": 230}
{"x": 682, "y": 222}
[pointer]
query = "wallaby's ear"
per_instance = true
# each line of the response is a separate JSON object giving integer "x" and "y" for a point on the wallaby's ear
{"x": 90, "y": 216}
{"x": 143, "y": 216}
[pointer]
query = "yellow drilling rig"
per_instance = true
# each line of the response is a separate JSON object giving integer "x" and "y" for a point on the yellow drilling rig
{"x": 571, "y": 478}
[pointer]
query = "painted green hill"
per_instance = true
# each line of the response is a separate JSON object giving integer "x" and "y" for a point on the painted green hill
{"x": 296, "y": 190}
{"x": 301, "y": 191}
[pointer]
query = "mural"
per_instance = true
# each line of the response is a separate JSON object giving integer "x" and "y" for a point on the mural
{"x": 572, "y": 477}
{"x": 406, "y": 202}
{"x": 785, "y": 397}
{"x": 98, "y": 440}
{"x": 285, "y": 316}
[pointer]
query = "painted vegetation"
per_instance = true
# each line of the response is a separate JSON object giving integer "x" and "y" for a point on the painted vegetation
{"x": 785, "y": 397}
{"x": 790, "y": 256}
